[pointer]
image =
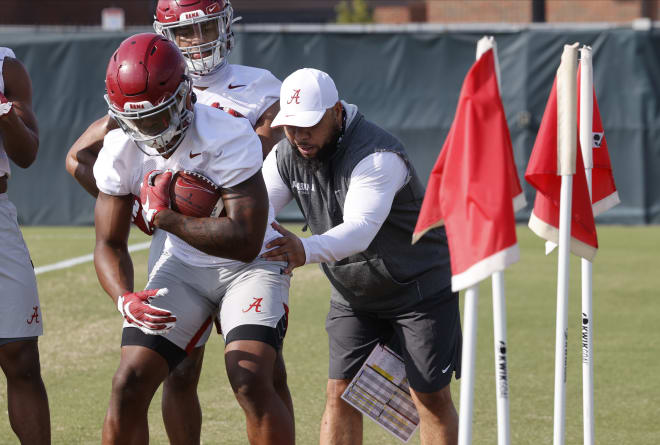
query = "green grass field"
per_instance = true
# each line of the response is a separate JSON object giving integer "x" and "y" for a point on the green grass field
{"x": 80, "y": 348}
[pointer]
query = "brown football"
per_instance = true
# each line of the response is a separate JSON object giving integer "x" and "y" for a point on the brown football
{"x": 193, "y": 194}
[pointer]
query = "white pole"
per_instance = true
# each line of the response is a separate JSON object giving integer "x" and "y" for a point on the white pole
{"x": 499, "y": 305}
{"x": 468, "y": 365}
{"x": 562, "y": 308}
{"x": 586, "y": 141}
{"x": 587, "y": 354}
{"x": 501, "y": 370}
{"x": 566, "y": 141}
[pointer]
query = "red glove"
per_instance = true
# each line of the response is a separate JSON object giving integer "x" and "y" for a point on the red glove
{"x": 154, "y": 194}
{"x": 227, "y": 109}
{"x": 233, "y": 112}
{"x": 137, "y": 309}
{"x": 5, "y": 105}
{"x": 137, "y": 217}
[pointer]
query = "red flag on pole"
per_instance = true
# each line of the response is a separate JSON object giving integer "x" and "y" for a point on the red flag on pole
{"x": 474, "y": 183}
{"x": 604, "y": 195}
{"x": 542, "y": 173}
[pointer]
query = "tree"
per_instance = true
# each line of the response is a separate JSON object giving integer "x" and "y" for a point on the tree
{"x": 355, "y": 11}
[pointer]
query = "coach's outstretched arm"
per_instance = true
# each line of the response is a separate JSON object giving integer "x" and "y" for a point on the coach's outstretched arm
{"x": 83, "y": 153}
{"x": 18, "y": 126}
{"x": 238, "y": 236}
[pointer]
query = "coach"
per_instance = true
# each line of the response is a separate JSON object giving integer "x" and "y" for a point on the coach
{"x": 360, "y": 197}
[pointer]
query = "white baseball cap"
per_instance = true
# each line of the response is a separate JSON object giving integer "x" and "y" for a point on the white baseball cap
{"x": 304, "y": 97}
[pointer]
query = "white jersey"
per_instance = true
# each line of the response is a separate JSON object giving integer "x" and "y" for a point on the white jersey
{"x": 4, "y": 160}
{"x": 245, "y": 89}
{"x": 218, "y": 145}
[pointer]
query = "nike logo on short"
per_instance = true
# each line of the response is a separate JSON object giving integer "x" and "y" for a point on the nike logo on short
{"x": 192, "y": 155}
{"x": 446, "y": 369}
{"x": 231, "y": 87}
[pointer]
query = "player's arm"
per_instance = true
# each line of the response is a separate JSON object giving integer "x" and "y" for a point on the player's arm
{"x": 114, "y": 267}
{"x": 238, "y": 236}
{"x": 18, "y": 126}
{"x": 112, "y": 217}
{"x": 83, "y": 153}
{"x": 268, "y": 136}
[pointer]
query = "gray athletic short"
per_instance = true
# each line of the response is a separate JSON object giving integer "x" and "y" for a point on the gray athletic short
{"x": 20, "y": 311}
{"x": 251, "y": 300}
{"x": 427, "y": 336}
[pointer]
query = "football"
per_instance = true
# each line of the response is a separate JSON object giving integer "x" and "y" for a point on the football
{"x": 193, "y": 194}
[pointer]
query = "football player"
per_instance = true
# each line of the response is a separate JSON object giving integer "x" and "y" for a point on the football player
{"x": 208, "y": 266}
{"x": 20, "y": 313}
{"x": 202, "y": 30}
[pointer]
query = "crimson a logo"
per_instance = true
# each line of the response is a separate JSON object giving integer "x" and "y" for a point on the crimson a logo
{"x": 295, "y": 96}
{"x": 256, "y": 305}
{"x": 35, "y": 316}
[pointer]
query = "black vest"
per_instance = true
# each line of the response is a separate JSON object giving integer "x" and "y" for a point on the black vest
{"x": 391, "y": 274}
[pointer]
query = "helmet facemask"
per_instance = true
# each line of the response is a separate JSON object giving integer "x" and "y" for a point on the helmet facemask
{"x": 154, "y": 127}
{"x": 204, "y": 39}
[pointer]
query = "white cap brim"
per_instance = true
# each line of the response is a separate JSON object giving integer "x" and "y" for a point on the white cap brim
{"x": 299, "y": 119}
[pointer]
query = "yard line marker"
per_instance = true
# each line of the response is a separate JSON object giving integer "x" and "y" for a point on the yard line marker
{"x": 82, "y": 259}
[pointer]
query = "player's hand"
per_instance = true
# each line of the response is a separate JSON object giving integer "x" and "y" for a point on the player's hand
{"x": 137, "y": 309}
{"x": 287, "y": 248}
{"x": 5, "y": 105}
{"x": 154, "y": 194}
{"x": 138, "y": 217}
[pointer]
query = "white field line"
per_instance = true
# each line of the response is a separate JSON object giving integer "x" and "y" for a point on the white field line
{"x": 82, "y": 259}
